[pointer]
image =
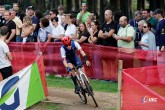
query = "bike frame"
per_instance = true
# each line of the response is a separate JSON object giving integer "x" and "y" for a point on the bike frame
{"x": 79, "y": 77}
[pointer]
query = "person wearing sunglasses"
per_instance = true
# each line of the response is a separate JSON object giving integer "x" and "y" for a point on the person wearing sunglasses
{"x": 71, "y": 59}
{"x": 52, "y": 14}
{"x": 148, "y": 39}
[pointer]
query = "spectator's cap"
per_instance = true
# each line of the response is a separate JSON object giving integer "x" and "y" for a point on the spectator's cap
{"x": 158, "y": 11}
{"x": 30, "y": 7}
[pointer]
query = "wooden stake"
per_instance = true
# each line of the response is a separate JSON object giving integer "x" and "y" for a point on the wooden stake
{"x": 120, "y": 67}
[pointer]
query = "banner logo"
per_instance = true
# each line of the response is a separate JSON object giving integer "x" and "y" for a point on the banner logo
{"x": 147, "y": 99}
{"x": 5, "y": 94}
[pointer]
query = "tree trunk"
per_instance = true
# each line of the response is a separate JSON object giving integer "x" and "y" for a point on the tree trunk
{"x": 126, "y": 7}
{"x": 140, "y": 4}
{"x": 77, "y": 6}
{"x": 90, "y": 4}
{"x": 102, "y": 11}
{"x": 153, "y": 4}
{"x": 69, "y": 5}
{"x": 114, "y": 5}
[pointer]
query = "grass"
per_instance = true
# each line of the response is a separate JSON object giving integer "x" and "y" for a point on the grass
{"x": 66, "y": 82}
{"x": 44, "y": 106}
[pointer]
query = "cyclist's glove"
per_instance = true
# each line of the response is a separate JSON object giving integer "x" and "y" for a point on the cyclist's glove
{"x": 68, "y": 69}
{"x": 85, "y": 59}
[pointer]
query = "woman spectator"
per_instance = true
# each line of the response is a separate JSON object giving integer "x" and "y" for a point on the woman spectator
{"x": 88, "y": 22}
{"x": 44, "y": 31}
{"x": 96, "y": 16}
{"x": 71, "y": 28}
{"x": 94, "y": 33}
{"x": 148, "y": 39}
{"x": 83, "y": 34}
{"x": 27, "y": 29}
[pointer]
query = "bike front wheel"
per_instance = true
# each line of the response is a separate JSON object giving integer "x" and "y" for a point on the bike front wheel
{"x": 89, "y": 90}
{"x": 82, "y": 94}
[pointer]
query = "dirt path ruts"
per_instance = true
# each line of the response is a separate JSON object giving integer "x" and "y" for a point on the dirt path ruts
{"x": 68, "y": 100}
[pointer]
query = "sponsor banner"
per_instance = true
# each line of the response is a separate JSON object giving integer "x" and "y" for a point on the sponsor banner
{"x": 22, "y": 89}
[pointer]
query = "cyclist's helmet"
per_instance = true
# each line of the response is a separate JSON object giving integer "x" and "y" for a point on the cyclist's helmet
{"x": 66, "y": 41}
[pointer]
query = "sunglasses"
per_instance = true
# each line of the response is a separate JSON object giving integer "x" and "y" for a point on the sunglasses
{"x": 144, "y": 26}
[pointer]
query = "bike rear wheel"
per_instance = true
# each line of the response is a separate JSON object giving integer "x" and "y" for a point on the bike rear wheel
{"x": 89, "y": 89}
{"x": 82, "y": 94}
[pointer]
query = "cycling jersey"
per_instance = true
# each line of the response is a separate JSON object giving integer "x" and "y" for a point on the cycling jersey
{"x": 71, "y": 55}
{"x": 65, "y": 51}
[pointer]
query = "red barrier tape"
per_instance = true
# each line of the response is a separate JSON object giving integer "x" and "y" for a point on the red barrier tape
{"x": 104, "y": 60}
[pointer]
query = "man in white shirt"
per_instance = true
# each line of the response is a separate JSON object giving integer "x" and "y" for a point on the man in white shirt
{"x": 5, "y": 55}
{"x": 57, "y": 30}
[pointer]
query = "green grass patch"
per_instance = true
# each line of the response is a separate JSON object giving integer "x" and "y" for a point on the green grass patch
{"x": 66, "y": 82}
{"x": 44, "y": 106}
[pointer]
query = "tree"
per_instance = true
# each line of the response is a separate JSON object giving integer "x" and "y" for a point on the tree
{"x": 140, "y": 4}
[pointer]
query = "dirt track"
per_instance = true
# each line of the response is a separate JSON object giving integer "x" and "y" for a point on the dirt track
{"x": 68, "y": 100}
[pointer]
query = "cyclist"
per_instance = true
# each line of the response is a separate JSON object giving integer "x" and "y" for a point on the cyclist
{"x": 71, "y": 59}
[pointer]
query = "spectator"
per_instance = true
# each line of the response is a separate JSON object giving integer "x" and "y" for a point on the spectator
{"x": 83, "y": 14}
{"x": 137, "y": 17}
{"x": 107, "y": 30}
{"x": 63, "y": 21}
{"x": 148, "y": 39}
{"x": 46, "y": 14}
{"x": 12, "y": 27}
{"x": 147, "y": 17}
{"x": 94, "y": 33}
{"x": 71, "y": 28}
{"x": 57, "y": 30}
{"x": 5, "y": 55}
{"x": 19, "y": 14}
{"x": 160, "y": 30}
{"x": 90, "y": 18}
{"x": 151, "y": 13}
{"x": 27, "y": 28}
{"x": 18, "y": 23}
{"x": 125, "y": 36}
{"x": 44, "y": 31}
{"x": 83, "y": 34}
{"x": 27, "y": 12}
{"x": 139, "y": 34}
{"x": 96, "y": 16}
{"x": 53, "y": 13}
{"x": 35, "y": 22}
{"x": 2, "y": 19}
{"x": 60, "y": 13}
{"x": 38, "y": 14}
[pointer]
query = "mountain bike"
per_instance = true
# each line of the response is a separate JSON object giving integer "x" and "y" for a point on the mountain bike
{"x": 84, "y": 85}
